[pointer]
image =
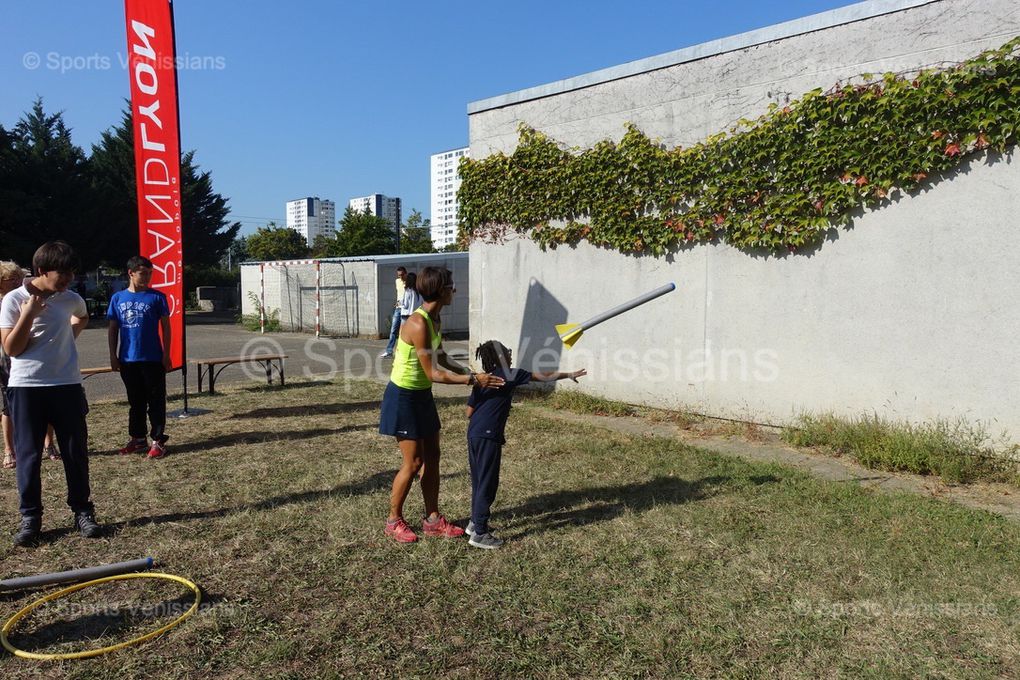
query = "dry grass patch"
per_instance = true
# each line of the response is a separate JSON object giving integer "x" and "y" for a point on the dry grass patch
{"x": 626, "y": 556}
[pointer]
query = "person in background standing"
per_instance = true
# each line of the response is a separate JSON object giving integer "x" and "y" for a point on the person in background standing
{"x": 395, "y": 320}
{"x": 412, "y": 298}
{"x": 137, "y": 316}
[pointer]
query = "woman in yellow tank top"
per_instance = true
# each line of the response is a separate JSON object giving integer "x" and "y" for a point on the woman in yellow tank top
{"x": 409, "y": 411}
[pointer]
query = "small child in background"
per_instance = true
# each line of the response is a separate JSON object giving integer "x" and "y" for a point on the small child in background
{"x": 488, "y": 410}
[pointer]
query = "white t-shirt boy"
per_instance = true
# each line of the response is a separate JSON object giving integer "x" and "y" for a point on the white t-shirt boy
{"x": 50, "y": 357}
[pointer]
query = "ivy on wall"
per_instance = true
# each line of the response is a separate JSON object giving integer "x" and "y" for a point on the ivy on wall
{"x": 778, "y": 182}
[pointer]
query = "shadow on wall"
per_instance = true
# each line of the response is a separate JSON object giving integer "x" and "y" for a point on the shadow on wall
{"x": 539, "y": 348}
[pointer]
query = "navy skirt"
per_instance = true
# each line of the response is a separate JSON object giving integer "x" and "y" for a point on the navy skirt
{"x": 408, "y": 414}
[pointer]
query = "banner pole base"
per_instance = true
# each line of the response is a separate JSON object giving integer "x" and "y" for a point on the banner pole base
{"x": 188, "y": 412}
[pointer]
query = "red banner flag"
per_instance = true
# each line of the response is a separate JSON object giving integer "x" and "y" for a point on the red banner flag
{"x": 154, "y": 115}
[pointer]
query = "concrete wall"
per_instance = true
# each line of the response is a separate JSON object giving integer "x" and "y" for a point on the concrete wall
{"x": 348, "y": 295}
{"x": 913, "y": 313}
{"x": 356, "y": 294}
{"x": 216, "y": 298}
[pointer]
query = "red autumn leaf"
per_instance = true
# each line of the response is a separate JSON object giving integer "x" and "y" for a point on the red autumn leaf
{"x": 982, "y": 141}
{"x": 690, "y": 236}
{"x": 938, "y": 134}
{"x": 861, "y": 181}
{"x": 819, "y": 205}
{"x": 920, "y": 176}
{"x": 880, "y": 192}
{"x": 846, "y": 177}
{"x": 953, "y": 149}
{"x": 719, "y": 219}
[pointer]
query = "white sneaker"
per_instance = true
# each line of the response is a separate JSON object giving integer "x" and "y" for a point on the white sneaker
{"x": 383, "y": 355}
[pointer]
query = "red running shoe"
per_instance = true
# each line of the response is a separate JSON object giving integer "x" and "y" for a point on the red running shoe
{"x": 134, "y": 446}
{"x": 158, "y": 450}
{"x": 440, "y": 527}
{"x": 400, "y": 532}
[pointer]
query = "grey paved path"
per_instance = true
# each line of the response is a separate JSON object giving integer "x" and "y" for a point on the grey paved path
{"x": 216, "y": 336}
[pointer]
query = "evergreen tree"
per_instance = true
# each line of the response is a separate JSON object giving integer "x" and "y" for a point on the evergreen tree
{"x": 113, "y": 186}
{"x": 207, "y": 234}
{"x": 43, "y": 188}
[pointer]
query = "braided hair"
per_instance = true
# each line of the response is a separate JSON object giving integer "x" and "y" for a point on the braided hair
{"x": 493, "y": 354}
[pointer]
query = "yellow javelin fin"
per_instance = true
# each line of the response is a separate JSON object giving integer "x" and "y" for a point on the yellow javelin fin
{"x": 569, "y": 333}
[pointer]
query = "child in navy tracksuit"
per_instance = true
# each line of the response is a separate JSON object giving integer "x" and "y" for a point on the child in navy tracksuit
{"x": 488, "y": 410}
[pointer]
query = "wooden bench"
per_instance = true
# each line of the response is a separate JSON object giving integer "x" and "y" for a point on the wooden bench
{"x": 87, "y": 373}
{"x": 213, "y": 367}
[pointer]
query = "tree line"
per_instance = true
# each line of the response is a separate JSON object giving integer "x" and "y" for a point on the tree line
{"x": 358, "y": 234}
{"x": 50, "y": 188}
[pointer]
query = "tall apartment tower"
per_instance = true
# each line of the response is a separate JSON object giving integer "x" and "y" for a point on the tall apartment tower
{"x": 311, "y": 217}
{"x": 445, "y": 181}
{"x": 385, "y": 207}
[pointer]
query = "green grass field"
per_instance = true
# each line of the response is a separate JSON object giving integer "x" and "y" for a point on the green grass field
{"x": 626, "y": 556}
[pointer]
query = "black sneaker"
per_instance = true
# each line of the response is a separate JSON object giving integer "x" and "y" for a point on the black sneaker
{"x": 85, "y": 523}
{"x": 28, "y": 531}
{"x": 486, "y": 541}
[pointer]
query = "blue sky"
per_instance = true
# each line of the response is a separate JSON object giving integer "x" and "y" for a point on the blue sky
{"x": 340, "y": 99}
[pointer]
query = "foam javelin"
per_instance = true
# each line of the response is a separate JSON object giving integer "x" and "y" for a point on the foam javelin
{"x": 75, "y": 575}
{"x": 571, "y": 332}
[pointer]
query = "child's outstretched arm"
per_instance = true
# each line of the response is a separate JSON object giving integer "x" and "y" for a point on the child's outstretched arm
{"x": 559, "y": 375}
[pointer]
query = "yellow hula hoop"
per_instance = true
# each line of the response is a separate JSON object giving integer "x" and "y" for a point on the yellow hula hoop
{"x": 13, "y": 621}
